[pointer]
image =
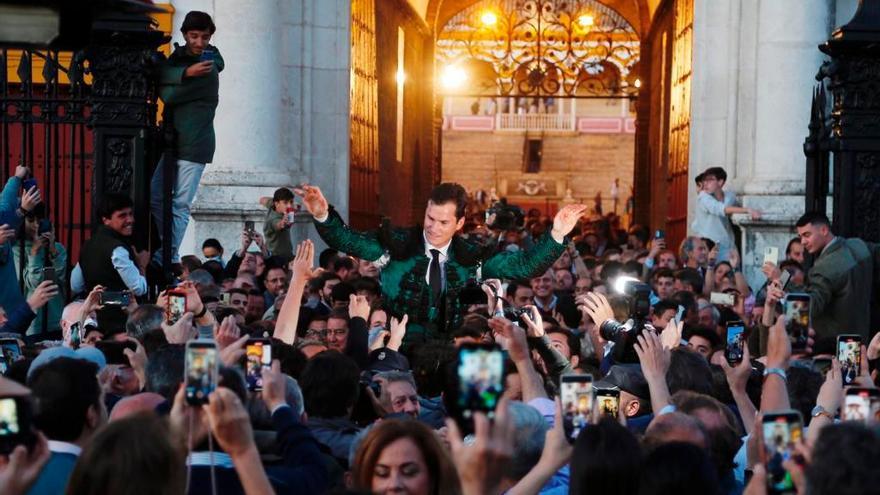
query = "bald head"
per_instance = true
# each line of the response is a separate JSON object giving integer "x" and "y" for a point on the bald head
{"x": 675, "y": 427}
{"x": 131, "y": 405}
{"x": 70, "y": 314}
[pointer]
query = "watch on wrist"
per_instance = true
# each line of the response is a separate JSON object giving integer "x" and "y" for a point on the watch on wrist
{"x": 776, "y": 371}
{"x": 821, "y": 411}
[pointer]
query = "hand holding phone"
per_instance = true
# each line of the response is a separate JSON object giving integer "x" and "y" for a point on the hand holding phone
{"x": 480, "y": 379}
{"x": 201, "y": 370}
{"x": 15, "y": 424}
{"x": 115, "y": 298}
{"x": 780, "y": 432}
{"x": 576, "y": 394}
{"x": 607, "y": 403}
{"x": 797, "y": 319}
{"x": 722, "y": 299}
{"x": 175, "y": 306}
{"x": 771, "y": 255}
{"x": 735, "y": 343}
{"x": 258, "y": 357}
{"x": 849, "y": 354}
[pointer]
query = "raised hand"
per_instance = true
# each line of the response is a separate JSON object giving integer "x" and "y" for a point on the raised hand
{"x": 596, "y": 307}
{"x": 42, "y": 295}
{"x": 229, "y": 422}
{"x": 481, "y": 464}
{"x": 274, "y": 386}
{"x": 6, "y": 233}
{"x": 670, "y": 338}
{"x": 397, "y": 332}
{"x": 514, "y": 336}
{"x": 181, "y": 332}
{"x": 20, "y": 469}
{"x": 313, "y": 200}
{"x": 21, "y": 171}
{"x": 30, "y": 199}
{"x": 303, "y": 265}
{"x": 358, "y": 307}
{"x": 534, "y": 322}
{"x": 565, "y": 220}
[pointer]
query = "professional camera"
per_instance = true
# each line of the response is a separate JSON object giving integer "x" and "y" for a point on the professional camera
{"x": 507, "y": 217}
{"x": 624, "y": 334}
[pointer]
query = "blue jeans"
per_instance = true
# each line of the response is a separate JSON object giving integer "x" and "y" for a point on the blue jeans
{"x": 184, "y": 192}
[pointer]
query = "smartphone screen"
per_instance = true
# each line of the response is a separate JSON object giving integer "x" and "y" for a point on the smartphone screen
{"x": 797, "y": 320}
{"x": 859, "y": 404}
{"x": 201, "y": 371}
{"x": 722, "y": 299}
{"x": 176, "y": 307}
{"x": 115, "y": 351}
{"x": 207, "y": 55}
{"x": 480, "y": 378}
{"x": 259, "y": 357}
{"x": 658, "y": 234}
{"x": 249, "y": 226}
{"x": 849, "y": 353}
{"x": 115, "y": 298}
{"x": 9, "y": 417}
{"x": 10, "y": 352}
{"x": 607, "y": 402}
{"x": 780, "y": 432}
{"x": 736, "y": 333}
{"x": 49, "y": 274}
{"x": 577, "y": 403}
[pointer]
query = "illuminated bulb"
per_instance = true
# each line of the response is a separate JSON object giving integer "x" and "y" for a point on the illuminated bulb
{"x": 400, "y": 76}
{"x": 453, "y": 77}
{"x": 621, "y": 281}
{"x": 489, "y": 18}
{"x": 638, "y": 83}
{"x": 585, "y": 21}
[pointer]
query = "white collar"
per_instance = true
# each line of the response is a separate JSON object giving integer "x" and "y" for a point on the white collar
{"x": 60, "y": 447}
{"x": 428, "y": 247}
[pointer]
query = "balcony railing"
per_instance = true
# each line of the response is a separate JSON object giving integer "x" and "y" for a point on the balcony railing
{"x": 535, "y": 121}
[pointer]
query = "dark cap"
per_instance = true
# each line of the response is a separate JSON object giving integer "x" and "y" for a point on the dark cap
{"x": 628, "y": 378}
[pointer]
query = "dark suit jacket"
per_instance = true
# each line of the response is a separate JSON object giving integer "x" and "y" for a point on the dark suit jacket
{"x": 301, "y": 470}
{"x": 840, "y": 284}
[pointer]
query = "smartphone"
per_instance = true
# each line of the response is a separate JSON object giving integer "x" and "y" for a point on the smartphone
{"x": 10, "y": 352}
{"x": 290, "y": 215}
{"x": 115, "y": 298}
{"x": 249, "y": 227}
{"x": 258, "y": 353}
{"x": 821, "y": 365}
{"x": 679, "y": 314}
{"x": 114, "y": 350}
{"x": 480, "y": 379}
{"x": 736, "y": 340}
{"x": 858, "y": 404}
{"x": 28, "y": 184}
{"x": 207, "y": 55}
{"x": 607, "y": 403}
{"x": 15, "y": 424}
{"x": 576, "y": 393}
{"x": 849, "y": 353}
{"x": 201, "y": 371}
{"x": 796, "y": 308}
{"x": 176, "y": 306}
{"x": 659, "y": 234}
{"x": 722, "y": 299}
{"x": 771, "y": 255}
{"x": 784, "y": 278}
{"x": 49, "y": 274}
{"x": 780, "y": 431}
{"x": 44, "y": 226}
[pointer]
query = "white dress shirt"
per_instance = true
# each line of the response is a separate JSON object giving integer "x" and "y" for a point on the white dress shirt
{"x": 125, "y": 267}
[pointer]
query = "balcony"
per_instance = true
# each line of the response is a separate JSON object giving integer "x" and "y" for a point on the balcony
{"x": 534, "y": 122}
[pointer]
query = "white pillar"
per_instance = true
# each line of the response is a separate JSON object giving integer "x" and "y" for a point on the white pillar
{"x": 283, "y": 115}
{"x": 753, "y": 74}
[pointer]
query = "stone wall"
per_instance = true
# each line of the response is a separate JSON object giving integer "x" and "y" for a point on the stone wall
{"x": 587, "y": 163}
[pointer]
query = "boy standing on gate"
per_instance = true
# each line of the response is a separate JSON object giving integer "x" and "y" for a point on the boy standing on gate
{"x": 188, "y": 85}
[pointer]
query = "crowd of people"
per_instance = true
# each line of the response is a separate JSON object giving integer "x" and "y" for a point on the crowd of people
{"x": 486, "y": 351}
{"x": 363, "y": 389}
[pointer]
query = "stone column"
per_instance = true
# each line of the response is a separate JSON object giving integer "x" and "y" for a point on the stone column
{"x": 283, "y": 113}
{"x": 754, "y": 72}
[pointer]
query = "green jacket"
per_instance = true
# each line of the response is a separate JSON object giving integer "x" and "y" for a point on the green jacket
{"x": 402, "y": 251}
{"x": 33, "y": 277}
{"x": 840, "y": 284}
{"x": 190, "y": 103}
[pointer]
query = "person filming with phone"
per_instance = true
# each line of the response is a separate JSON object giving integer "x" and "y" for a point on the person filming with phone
{"x": 425, "y": 268}
{"x": 188, "y": 85}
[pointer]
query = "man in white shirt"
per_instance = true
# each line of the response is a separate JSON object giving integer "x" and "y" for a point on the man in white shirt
{"x": 714, "y": 205}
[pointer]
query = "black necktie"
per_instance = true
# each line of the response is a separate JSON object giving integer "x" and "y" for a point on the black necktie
{"x": 434, "y": 276}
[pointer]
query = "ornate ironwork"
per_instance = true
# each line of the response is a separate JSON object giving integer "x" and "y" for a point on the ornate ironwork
{"x": 853, "y": 78}
{"x": 545, "y": 47}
